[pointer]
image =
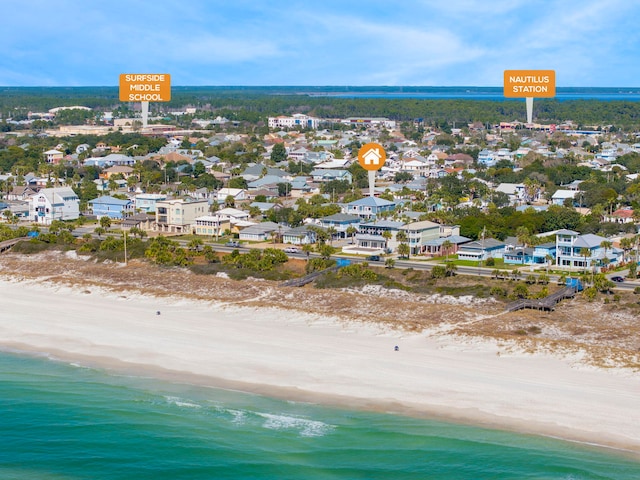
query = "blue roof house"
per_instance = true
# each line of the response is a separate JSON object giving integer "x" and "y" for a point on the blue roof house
{"x": 369, "y": 207}
{"x": 108, "y": 206}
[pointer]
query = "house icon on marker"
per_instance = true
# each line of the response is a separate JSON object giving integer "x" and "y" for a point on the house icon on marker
{"x": 372, "y": 157}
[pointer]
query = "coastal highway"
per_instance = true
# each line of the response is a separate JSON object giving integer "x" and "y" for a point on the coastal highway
{"x": 627, "y": 285}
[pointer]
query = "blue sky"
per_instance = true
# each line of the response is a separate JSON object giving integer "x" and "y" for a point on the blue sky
{"x": 323, "y": 42}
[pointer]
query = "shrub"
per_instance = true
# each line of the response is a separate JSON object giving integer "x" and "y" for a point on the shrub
{"x": 490, "y": 262}
{"x": 521, "y": 291}
{"x": 590, "y": 293}
{"x": 498, "y": 292}
{"x": 438, "y": 271}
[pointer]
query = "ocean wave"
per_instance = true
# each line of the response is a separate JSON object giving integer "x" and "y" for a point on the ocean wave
{"x": 179, "y": 402}
{"x": 305, "y": 427}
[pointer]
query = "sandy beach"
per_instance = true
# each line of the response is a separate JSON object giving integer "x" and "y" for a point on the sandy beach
{"x": 257, "y": 345}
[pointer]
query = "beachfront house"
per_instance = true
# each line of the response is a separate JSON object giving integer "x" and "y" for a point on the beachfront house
{"x": 302, "y": 235}
{"x": 261, "y": 232}
{"x": 444, "y": 245}
{"x": 419, "y": 233}
{"x": 574, "y": 250}
{"x": 481, "y": 250}
{"x": 211, "y": 225}
{"x": 60, "y": 203}
{"x": 179, "y": 215}
{"x": 108, "y": 206}
{"x": 341, "y": 223}
{"x": 378, "y": 235}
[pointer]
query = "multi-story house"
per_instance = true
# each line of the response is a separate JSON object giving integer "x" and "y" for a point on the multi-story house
{"x": 419, "y": 233}
{"x": 59, "y": 203}
{"x": 341, "y": 223}
{"x": 178, "y": 215}
{"x": 108, "y": 206}
{"x": 146, "y": 202}
{"x": 368, "y": 207}
{"x": 372, "y": 235}
{"x": 574, "y": 250}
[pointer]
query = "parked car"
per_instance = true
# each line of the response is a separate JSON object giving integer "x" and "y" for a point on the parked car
{"x": 374, "y": 258}
{"x": 617, "y": 279}
{"x": 232, "y": 243}
{"x": 292, "y": 250}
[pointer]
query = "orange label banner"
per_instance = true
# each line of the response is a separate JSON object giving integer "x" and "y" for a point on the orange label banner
{"x": 145, "y": 87}
{"x": 529, "y": 83}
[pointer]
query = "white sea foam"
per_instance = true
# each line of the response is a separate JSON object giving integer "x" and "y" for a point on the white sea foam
{"x": 306, "y": 428}
{"x": 179, "y": 402}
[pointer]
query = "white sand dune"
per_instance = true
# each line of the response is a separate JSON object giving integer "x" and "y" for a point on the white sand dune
{"x": 320, "y": 358}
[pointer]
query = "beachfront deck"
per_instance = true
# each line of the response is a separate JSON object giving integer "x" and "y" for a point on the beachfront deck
{"x": 7, "y": 244}
{"x": 547, "y": 303}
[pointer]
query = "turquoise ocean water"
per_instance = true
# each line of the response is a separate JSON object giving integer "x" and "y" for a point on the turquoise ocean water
{"x": 60, "y": 421}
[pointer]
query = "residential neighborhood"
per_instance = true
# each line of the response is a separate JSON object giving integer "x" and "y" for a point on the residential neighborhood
{"x": 524, "y": 194}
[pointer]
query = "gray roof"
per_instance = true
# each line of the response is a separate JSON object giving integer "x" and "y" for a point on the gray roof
{"x": 341, "y": 218}
{"x": 589, "y": 240}
{"x": 264, "y": 227}
{"x": 486, "y": 244}
{"x": 384, "y": 224}
{"x": 455, "y": 239}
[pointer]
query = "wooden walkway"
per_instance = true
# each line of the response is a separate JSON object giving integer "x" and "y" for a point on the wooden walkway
{"x": 7, "y": 244}
{"x": 299, "y": 282}
{"x": 547, "y": 303}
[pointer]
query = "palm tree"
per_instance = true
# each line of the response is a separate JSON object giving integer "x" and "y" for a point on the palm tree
{"x": 586, "y": 253}
{"x": 524, "y": 238}
{"x": 450, "y": 269}
{"x": 331, "y": 231}
{"x": 446, "y": 245}
{"x": 626, "y": 244}
{"x": 549, "y": 259}
{"x": 401, "y": 237}
{"x": 387, "y": 236}
{"x": 351, "y": 231}
{"x": 606, "y": 244}
{"x": 195, "y": 244}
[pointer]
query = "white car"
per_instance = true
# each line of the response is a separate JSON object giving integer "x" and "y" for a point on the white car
{"x": 292, "y": 250}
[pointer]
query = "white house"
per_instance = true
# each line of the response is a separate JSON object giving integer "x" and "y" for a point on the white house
{"x": 559, "y": 196}
{"x": 236, "y": 193}
{"x": 50, "y": 204}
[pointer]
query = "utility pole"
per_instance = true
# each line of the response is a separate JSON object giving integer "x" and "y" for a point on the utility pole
{"x": 124, "y": 234}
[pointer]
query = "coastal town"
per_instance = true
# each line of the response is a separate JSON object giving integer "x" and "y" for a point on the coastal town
{"x": 566, "y": 197}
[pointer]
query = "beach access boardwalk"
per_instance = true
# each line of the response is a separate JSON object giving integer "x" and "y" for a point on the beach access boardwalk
{"x": 7, "y": 244}
{"x": 547, "y": 303}
{"x": 299, "y": 282}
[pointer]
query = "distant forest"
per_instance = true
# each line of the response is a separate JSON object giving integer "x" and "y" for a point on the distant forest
{"x": 254, "y": 104}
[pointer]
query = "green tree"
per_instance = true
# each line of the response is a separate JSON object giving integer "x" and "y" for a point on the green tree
{"x": 351, "y": 231}
{"x": 195, "y": 244}
{"x": 446, "y": 246}
{"x": 586, "y": 253}
{"x": 278, "y": 153}
{"x": 237, "y": 182}
{"x": 403, "y": 249}
{"x": 105, "y": 222}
